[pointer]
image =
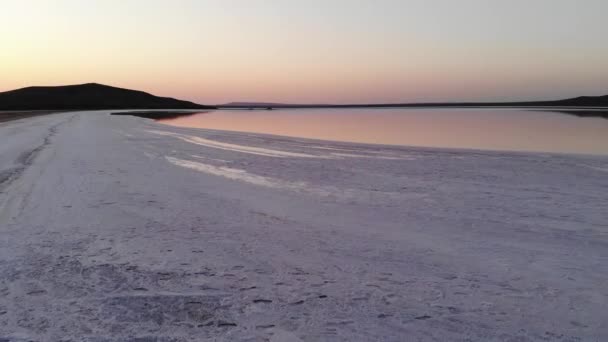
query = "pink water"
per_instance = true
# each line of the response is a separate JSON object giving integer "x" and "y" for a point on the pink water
{"x": 487, "y": 129}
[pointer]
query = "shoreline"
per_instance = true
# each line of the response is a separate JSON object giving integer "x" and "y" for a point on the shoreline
{"x": 581, "y": 111}
{"x": 419, "y": 148}
{"x": 187, "y": 234}
{"x": 158, "y": 116}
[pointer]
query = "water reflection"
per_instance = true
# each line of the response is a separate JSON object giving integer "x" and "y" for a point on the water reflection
{"x": 476, "y": 128}
{"x": 158, "y": 114}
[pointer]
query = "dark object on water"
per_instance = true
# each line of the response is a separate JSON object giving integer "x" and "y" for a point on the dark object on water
{"x": 88, "y": 96}
{"x": 269, "y": 108}
{"x": 158, "y": 115}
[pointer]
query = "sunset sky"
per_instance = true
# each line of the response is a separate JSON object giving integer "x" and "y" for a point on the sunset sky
{"x": 338, "y": 51}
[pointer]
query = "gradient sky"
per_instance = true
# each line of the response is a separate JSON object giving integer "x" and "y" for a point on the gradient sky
{"x": 336, "y": 51}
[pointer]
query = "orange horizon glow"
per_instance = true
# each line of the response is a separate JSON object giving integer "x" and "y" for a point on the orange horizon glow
{"x": 319, "y": 52}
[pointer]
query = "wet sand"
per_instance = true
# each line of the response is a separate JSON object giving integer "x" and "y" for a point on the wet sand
{"x": 117, "y": 228}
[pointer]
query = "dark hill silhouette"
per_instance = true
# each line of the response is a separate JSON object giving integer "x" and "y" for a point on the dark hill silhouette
{"x": 584, "y": 101}
{"x": 87, "y": 96}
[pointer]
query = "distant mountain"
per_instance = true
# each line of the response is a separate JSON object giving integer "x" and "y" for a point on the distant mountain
{"x": 582, "y": 101}
{"x": 87, "y": 96}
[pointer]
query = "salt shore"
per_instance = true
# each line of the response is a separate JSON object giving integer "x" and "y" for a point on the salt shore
{"x": 116, "y": 228}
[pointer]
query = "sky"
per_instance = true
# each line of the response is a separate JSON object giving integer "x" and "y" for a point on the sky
{"x": 314, "y": 51}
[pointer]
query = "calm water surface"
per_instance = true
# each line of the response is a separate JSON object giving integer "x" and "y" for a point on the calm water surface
{"x": 487, "y": 129}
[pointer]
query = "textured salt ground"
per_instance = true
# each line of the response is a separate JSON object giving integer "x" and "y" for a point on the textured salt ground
{"x": 121, "y": 229}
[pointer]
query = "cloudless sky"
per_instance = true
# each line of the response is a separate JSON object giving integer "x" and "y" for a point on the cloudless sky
{"x": 339, "y": 51}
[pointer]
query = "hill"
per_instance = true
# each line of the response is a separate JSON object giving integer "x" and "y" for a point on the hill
{"x": 87, "y": 96}
{"x": 583, "y": 101}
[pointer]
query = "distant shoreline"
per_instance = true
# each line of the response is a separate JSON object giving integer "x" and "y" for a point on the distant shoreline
{"x": 599, "y": 112}
{"x": 95, "y": 96}
{"x": 577, "y": 110}
{"x": 406, "y": 105}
